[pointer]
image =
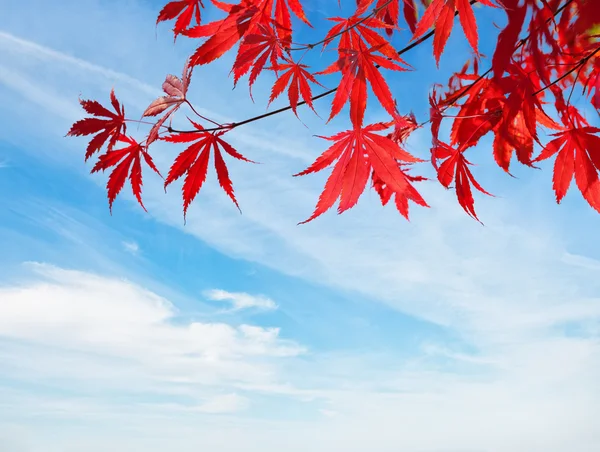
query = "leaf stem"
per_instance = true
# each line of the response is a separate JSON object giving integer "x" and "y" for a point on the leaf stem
{"x": 202, "y": 117}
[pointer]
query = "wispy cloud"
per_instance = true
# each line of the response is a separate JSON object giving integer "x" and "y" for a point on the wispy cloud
{"x": 228, "y": 403}
{"x": 241, "y": 300}
{"x": 81, "y": 314}
{"x": 26, "y": 48}
{"x": 131, "y": 247}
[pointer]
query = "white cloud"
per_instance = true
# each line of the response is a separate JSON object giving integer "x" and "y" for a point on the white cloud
{"x": 228, "y": 403}
{"x": 131, "y": 247}
{"x": 241, "y": 300}
{"x": 96, "y": 321}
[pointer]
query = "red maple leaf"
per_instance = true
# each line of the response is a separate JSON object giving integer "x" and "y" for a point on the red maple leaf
{"x": 256, "y": 49}
{"x": 400, "y": 198}
{"x": 292, "y": 5}
{"x": 577, "y": 150}
{"x": 513, "y": 136}
{"x": 193, "y": 162}
{"x": 359, "y": 153}
{"x": 403, "y": 127}
{"x": 176, "y": 91}
{"x": 593, "y": 85}
{"x": 296, "y": 75}
{"x": 441, "y": 13}
{"x": 127, "y": 163}
{"x": 454, "y": 168}
{"x": 225, "y": 33}
{"x": 509, "y": 36}
{"x": 185, "y": 9}
{"x": 357, "y": 29}
{"x": 284, "y": 21}
{"x": 112, "y": 127}
{"x": 242, "y": 19}
{"x": 358, "y": 66}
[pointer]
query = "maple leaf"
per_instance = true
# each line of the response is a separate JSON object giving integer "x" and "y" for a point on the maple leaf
{"x": 296, "y": 75}
{"x": 243, "y": 19}
{"x": 441, "y": 13}
{"x": 509, "y": 36}
{"x": 513, "y": 136}
{"x": 403, "y": 127}
{"x": 185, "y": 9}
{"x": 112, "y": 127}
{"x": 225, "y": 33}
{"x": 255, "y": 50}
{"x": 588, "y": 17}
{"x": 127, "y": 163}
{"x": 400, "y": 198}
{"x": 436, "y": 116}
{"x": 193, "y": 162}
{"x": 176, "y": 91}
{"x": 480, "y": 113}
{"x": 359, "y": 153}
{"x": 293, "y": 5}
{"x": 577, "y": 150}
{"x": 358, "y": 66}
{"x": 357, "y": 29}
{"x": 388, "y": 11}
{"x": 519, "y": 115}
{"x": 284, "y": 21}
{"x": 454, "y": 168}
{"x": 593, "y": 84}
{"x": 410, "y": 14}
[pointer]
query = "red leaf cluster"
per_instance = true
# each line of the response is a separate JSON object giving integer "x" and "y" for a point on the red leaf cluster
{"x": 545, "y": 50}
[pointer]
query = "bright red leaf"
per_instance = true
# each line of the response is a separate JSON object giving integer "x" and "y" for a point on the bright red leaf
{"x": 361, "y": 152}
{"x": 441, "y": 13}
{"x": 297, "y": 77}
{"x": 454, "y": 168}
{"x": 255, "y": 50}
{"x": 193, "y": 162}
{"x": 127, "y": 164}
{"x": 185, "y": 9}
{"x": 109, "y": 129}
{"x": 577, "y": 151}
{"x": 358, "y": 66}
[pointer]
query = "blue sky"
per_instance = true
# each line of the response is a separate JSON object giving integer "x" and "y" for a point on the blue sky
{"x": 133, "y": 332}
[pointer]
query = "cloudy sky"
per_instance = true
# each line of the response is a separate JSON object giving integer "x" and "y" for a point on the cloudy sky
{"x": 135, "y": 332}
